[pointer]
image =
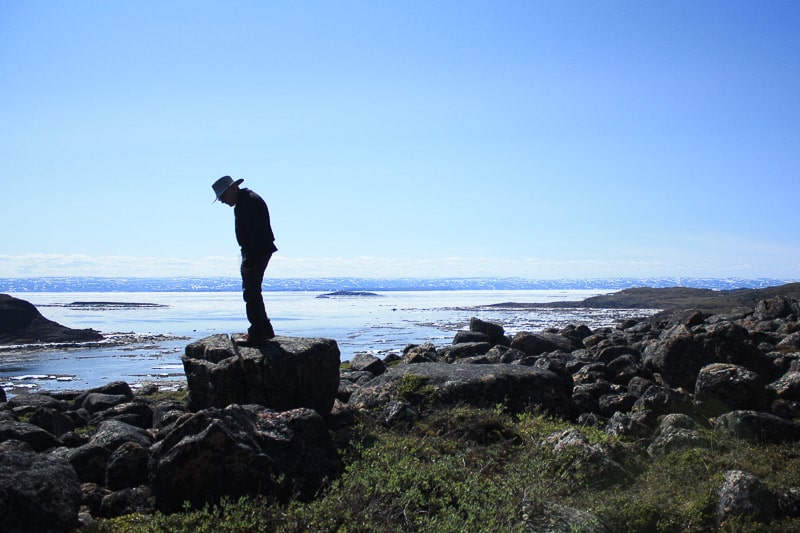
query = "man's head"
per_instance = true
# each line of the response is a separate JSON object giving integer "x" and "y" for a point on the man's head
{"x": 226, "y": 190}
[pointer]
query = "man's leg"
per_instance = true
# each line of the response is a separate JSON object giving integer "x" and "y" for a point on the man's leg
{"x": 260, "y": 326}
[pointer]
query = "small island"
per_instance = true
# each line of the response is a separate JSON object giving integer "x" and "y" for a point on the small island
{"x": 112, "y": 305}
{"x": 349, "y": 294}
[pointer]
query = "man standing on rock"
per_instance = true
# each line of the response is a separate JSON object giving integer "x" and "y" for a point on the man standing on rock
{"x": 255, "y": 237}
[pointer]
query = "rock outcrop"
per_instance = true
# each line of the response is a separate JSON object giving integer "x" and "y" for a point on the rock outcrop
{"x": 22, "y": 323}
{"x": 285, "y": 373}
{"x": 113, "y": 464}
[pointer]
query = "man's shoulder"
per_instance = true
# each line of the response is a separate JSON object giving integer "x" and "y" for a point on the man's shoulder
{"x": 249, "y": 196}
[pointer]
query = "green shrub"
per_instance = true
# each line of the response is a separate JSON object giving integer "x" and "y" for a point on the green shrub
{"x": 471, "y": 469}
{"x": 414, "y": 389}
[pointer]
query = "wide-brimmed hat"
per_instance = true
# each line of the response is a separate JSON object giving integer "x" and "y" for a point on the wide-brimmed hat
{"x": 222, "y": 184}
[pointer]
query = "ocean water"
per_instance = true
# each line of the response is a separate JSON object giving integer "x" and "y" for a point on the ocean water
{"x": 147, "y": 342}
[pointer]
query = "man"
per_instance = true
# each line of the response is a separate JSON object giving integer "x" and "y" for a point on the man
{"x": 257, "y": 242}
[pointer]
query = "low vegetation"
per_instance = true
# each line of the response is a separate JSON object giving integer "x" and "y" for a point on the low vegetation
{"x": 469, "y": 469}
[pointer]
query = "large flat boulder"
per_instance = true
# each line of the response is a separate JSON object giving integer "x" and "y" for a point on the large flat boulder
{"x": 285, "y": 373}
{"x": 518, "y": 388}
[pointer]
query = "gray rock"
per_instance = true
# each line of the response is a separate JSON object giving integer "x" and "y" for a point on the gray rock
{"x": 505, "y": 354}
{"x": 591, "y": 373}
{"x": 576, "y": 332}
{"x": 623, "y": 368}
{"x": 39, "y": 439}
{"x": 629, "y": 425}
{"x": 672, "y": 439}
{"x": 241, "y": 450}
{"x": 450, "y": 354}
{"x": 494, "y": 331}
{"x": 127, "y": 467}
{"x": 28, "y": 403}
{"x": 591, "y": 461}
{"x": 677, "y": 356}
{"x": 350, "y": 381}
{"x": 399, "y": 413}
{"x": 471, "y": 336}
{"x": 166, "y": 413}
{"x": 367, "y": 363}
{"x": 97, "y": 401}
{"x": 420, "y": 353}
{"x": 606, "y": 354}
{"x": 677, "y": 421}
{"x": 612, "y": 403}
{"x": 727, "y": 342}
{"x": 53, "y": 421}
{"x": 659, "y": 400}
{"x": 517, "y": 387}
{"x": 135, "y": 413}
{"x": 111, "y": 434}
{"x": 743, "y": 494}
{"x": 115, "y": 388}
{"x": 787, "y": 387}
{"x": 789, "y": 343}
{"x": 723, "y": 387}
{"x": 38, "y": 492}
{"x": 485, "y": 359}
{"x": 128, "y": 501}
{"x": 772, "y": 308}
{"x": 757, "y": 427}
{"x": 284, "y": 374}
{"x": 539, "y": 343}
{"x": 556, "y": 518}
{"x": 88, "y": 460}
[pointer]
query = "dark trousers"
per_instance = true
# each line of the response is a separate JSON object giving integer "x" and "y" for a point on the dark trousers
{"x": 252, "y": 278}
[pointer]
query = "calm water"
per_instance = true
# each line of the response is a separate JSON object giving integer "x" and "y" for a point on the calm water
{"x": 378, "y": 324}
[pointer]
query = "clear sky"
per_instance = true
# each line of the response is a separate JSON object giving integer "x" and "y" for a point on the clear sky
{"x": 532, "y": 138}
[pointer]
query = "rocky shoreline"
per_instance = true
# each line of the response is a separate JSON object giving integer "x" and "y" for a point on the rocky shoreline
{"x": 259, "y": 421}
{"x": 22, "y": 323}
{"x": 672, "y": 299}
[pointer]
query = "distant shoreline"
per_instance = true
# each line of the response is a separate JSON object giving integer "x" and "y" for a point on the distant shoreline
{"x": 324, "y": 285}
{"x": 670, "y": 299}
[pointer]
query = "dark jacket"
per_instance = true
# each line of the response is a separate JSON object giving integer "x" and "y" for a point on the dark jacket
{"x": 253, "y": 230}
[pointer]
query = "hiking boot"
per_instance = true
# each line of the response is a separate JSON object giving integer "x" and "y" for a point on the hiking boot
{"x": 251, "y": 340}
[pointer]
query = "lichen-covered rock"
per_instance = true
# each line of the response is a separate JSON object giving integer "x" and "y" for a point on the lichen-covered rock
{"x": 516, "y": 387}
{"x": 743, "y": 494}
{"x": 723, "y": 387}
{"x": 558, "y": 518}
{"x": 241, "y": 450}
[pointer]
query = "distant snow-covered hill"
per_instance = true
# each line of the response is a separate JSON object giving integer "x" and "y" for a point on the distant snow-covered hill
{"x": 90, "y": 284}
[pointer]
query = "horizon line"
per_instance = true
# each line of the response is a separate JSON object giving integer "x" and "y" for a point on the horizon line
{"x": 499, "y": 277}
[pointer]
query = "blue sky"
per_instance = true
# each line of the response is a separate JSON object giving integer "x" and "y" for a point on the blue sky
{"x": 538, "y": 139}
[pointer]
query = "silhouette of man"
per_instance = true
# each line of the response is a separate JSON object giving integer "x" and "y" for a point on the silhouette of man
{"x": 257, "y": 242}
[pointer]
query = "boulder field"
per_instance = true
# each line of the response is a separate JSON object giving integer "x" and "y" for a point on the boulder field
{"x": 258, "y": 420}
